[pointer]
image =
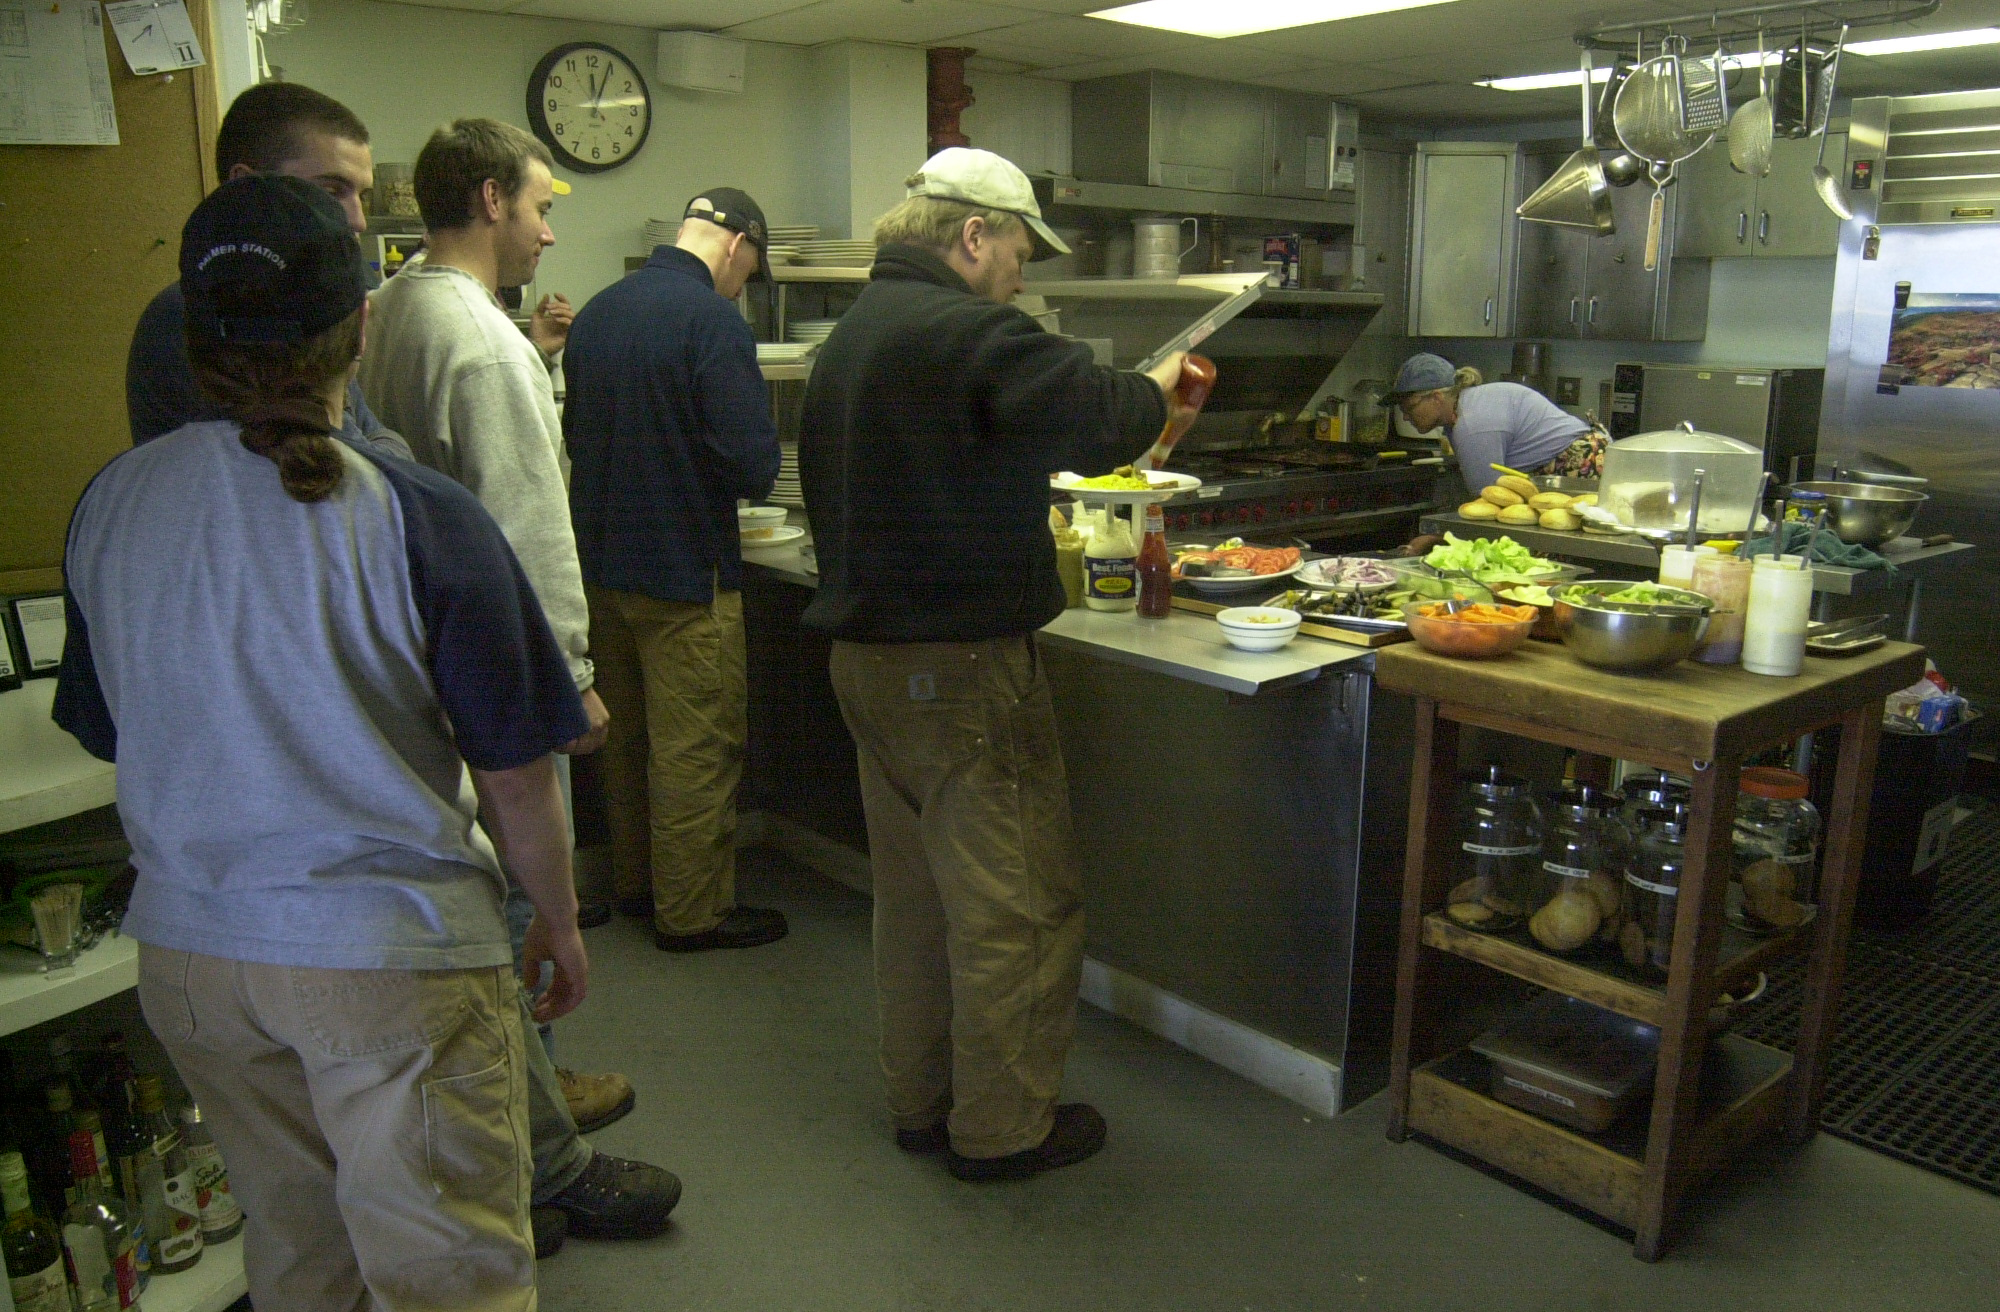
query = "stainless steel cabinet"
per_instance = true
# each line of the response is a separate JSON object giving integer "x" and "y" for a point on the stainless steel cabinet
{"x": 1382, "y": 234}
{"x": 1725, "y": 214}
{"x": 1463, "y": 234}
{"x": 1157, "y": 129}
{"x": 1299, "y": 145}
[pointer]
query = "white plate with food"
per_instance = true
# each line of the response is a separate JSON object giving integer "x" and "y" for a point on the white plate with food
{"x": 1234, "y": 566}
{"x": 1124, "y": 485}
{"x": 1347, "y": 574}
{"x": 771, "y": 537}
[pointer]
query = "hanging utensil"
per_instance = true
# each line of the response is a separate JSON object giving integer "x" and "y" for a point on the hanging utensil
{"x": 1750, "y": 130}
{"x": 1577, "y": 194}
{"x": 1621, "y": 167}
{"x": 1757, "y": 505}
{"x": 1824, "y": 182}
{"x": 1648, "y": 119}
{"x": 1704, "y": 101}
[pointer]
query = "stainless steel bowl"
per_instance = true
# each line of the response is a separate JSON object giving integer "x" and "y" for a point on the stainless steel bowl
{"x": 1627, "y": 640}
{"x": 1864, "y": 514}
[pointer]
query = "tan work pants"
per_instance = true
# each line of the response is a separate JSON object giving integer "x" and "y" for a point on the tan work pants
{"x": 978, "y": 907}
{"x": 375, "y": 1124}
{"x": 671, "y": 674}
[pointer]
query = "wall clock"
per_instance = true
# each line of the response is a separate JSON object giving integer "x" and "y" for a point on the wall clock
{"x": 589, "y": 104}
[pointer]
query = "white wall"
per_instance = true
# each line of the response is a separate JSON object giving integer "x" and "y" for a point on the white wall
{"x": 405, "y": 70}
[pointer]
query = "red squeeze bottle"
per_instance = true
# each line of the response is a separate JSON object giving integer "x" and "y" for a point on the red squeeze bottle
{"x": 1156, "y": 581}
{"x": 1196, "y": 381}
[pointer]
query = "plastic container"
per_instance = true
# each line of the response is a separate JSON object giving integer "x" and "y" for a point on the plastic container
{"x": 1779, "y": 608}
{"x": 1500, "y": 852}
{"x": 1725, "y": 581}
{"x": 1677, "y": 564}
{"x": 1110, "y": 564}
{"x": 1570, "y": 1062}
{"x": 1776, "y": 852}
{"x": 1653, "y": 893}
{"x": 1648, "y": 480}
{"x": 1585, "y": 857}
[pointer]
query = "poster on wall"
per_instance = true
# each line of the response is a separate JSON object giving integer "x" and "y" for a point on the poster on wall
{"x": 1943, "y": 339}
{"x": 55, "y": 82}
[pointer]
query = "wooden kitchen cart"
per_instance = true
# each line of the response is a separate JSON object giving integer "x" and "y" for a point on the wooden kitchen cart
{"x": 1700, "y": 722}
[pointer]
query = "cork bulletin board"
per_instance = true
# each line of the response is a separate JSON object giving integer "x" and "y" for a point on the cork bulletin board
{"x": 88, "y": 235}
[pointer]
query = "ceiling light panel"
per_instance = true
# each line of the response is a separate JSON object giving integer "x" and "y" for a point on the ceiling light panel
{"x": 1226, "y": 18}
{"x": 1907, "y": 45}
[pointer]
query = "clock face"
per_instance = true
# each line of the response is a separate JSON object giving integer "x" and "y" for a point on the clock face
{"x": 590, "y": 105}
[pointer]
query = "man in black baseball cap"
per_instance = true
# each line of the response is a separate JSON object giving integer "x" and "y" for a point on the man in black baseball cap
{"x": 268, "y": 258}
{"x": 668, "y": 422}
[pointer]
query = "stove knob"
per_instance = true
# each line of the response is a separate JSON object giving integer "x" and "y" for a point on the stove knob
{"x": 1207, "y": 517}
{"x": 1257, "y": 512}
{"x": 1291, "y": 510}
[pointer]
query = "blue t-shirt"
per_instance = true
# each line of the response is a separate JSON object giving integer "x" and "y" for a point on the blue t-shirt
{"x": 291, "y": 693}
{"x": 161, "y": 394}
{"x": 1512, "y": 425}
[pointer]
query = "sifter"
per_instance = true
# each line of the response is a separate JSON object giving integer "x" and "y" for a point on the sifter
{"x": 1650, "y": 119}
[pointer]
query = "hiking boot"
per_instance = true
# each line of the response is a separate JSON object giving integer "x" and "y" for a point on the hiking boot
{"x": 743, "y": 927}
{"x": 1078, "y": 1133}
{"x": 549, "y": 1228}
{"x": 927, "y": 1142}
{"x": 615, "y": 1198}
{"x": 595, "y": 1101}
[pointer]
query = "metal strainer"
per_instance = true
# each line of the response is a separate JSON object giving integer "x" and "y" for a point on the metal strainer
{"x": 1650, "y": 118}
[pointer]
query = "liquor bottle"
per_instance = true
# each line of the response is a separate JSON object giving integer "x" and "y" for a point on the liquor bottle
{"x": 221, "y": 1218}
{"x": 46, "y": 1149}
{"x": 29, "y": 1245}
{"x": 1155, "y": 570}
{"x": 98, "y": 1237}
{"x": 90, "y": 1123}
{"x": 172, "y": 1217}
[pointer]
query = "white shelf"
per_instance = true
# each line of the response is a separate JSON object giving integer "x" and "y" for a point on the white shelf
{"x": 44, "y": 773}
{"x": 213, "y": 1284}
{"x": 28, "y": 997}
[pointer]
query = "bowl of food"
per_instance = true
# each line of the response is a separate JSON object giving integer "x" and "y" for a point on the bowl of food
{"x": 1630, "y": 627}
{"x": 1538, "y": 596}
{"x": 1864, "y": 514}
{"x": 1258, "y": 628}
{"x": 749, "y": 517}
{"x": 1349, "y": 574}
{"x": 1478, "y": 631}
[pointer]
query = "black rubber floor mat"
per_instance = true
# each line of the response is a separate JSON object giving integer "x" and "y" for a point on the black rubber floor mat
{"x": 1915, "y": 1069}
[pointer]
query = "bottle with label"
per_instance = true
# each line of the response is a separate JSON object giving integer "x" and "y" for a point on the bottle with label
{"x": 30, "y": 1246}
{"x": 1154, "y": 568}
{"x": 172, "y": 1217}
{"x": 221, "y": 1218}
{"x": 98, "y": 1238}
{"x": 1110, "y": 564}
{"x": 90, "y": 1123}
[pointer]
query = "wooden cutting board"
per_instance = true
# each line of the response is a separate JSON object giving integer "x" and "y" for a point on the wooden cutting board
{"x": 1352, "y": 637}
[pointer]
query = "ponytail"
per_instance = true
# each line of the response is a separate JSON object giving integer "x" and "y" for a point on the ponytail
{"x": 277, "y": 392}
{"x": 1466, "y": 377}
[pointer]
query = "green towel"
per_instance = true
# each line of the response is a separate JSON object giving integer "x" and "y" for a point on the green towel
{"x": 1827, "y": 549}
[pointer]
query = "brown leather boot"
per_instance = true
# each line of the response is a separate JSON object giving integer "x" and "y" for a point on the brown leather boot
{"x": 595, "y": 1101}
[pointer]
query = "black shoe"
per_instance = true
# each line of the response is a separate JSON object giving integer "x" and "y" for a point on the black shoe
{"x": 927, "y": 1142}
{"x": 550, "y": 1228}
{"x": 639, "y": 907}
{"x": 1078, "y": 1133}
{"x": 616, "y": 1198}
{"x": 589, "y": 915}
{"x": 745, "y": 927}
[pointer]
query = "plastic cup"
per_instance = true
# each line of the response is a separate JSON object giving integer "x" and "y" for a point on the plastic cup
{"x": 1725, "y": 581}
{"x": 1677, "y": 565}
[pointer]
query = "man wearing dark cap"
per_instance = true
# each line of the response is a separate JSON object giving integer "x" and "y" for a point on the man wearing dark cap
{"x": 668, "y": 422}
{"x": 322, "y": 947}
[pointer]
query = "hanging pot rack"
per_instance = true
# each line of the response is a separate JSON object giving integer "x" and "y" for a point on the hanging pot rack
{"x": 1741, "y": 24}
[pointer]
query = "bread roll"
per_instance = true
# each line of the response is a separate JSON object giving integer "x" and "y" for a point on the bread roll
{"x": 1500, "y": 496}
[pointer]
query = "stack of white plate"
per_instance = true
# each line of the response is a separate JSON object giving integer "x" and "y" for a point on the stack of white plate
{"x": 791, "y": 234}
{"x": 836, "y": 254}
{"x": 785, "y": 492}
{"x": 811, "y": 331}
{"x": 781, "y": 254}
{"x": 784, "y": 352}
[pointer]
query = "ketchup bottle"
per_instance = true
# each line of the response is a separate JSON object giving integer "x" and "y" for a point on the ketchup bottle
{"x": 1156, "y": 581}
{"x": 1197, "y": 379}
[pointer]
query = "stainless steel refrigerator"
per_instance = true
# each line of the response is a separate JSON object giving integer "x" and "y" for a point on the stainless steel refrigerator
{"x": 1913, "y": 360}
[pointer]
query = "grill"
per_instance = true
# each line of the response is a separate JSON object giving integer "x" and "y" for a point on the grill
{"x": 1318, "y": 493}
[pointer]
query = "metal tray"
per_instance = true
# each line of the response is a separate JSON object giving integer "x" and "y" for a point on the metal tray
{"x": 1568, "y": 1061}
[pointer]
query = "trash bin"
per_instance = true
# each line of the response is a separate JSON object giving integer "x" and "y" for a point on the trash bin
{"x": 1918, "y": 777}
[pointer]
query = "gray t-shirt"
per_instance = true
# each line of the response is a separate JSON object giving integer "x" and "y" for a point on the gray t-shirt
{"x": 1508, "y": 424}
{"x": 291, "y": 693}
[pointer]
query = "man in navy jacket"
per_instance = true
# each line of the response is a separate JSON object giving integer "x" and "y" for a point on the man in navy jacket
{"x": 668, "y": 422}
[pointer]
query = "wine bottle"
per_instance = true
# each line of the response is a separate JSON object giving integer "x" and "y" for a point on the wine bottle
{"x": 29, "y": 1246}
{"x": 172, "y": 1216}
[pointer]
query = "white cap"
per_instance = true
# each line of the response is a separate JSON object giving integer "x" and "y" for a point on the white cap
{"x": 982, "y": 178}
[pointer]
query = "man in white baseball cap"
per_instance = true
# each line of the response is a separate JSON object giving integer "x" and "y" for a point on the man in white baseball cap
{"x": 984, "y": 179}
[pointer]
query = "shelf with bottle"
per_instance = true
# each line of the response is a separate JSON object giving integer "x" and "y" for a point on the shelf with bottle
{"x": 29, "y": 997}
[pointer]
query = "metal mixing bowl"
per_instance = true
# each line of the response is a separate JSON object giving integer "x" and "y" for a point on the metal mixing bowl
{"x": 1864, "y": 514}
{"x": 1630, "y": 641}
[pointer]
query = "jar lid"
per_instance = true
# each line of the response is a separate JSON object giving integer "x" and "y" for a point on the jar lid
{"x": 1493, "y": 782}
{"x": 1774, "y": 784}
{"x": 1583, "y": 797}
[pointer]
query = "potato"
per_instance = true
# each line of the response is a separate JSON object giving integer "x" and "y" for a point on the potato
{"x": 1603, "y": 885}
{"x": 1479, "y": 510}
{"x": 1518, "y": 514}
{"x": 1568, "y": 922}
{"x": 1515, "y": 483}
{"x": 1632, "y": 942}
{"x": 1501, "y": 496}
{"x": 1563, "y": 521}
{"x": 1767, "y": 879}
{"x": 1472, "y": 890}
{"x": 1500, "y": 906}
{"x": 1468, "y": 913}
{"x": 1549, "y": 501}
{"x": 1587, "y": 499}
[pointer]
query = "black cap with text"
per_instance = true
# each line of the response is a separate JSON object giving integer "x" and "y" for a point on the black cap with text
{"x": 735, "y": 211}
{"x": 269, "y": 258}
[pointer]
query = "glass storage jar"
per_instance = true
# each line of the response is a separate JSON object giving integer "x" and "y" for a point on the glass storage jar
{"x": 1776, "y": 843}
{"x": 1653, "y": 892}
{"x": 1653, "y": 792}
{"x": 1585, "y": 857}
{"x": 1500, "y": 852}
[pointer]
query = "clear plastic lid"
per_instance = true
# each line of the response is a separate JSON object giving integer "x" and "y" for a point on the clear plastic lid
{"x": 1688, "y": 440}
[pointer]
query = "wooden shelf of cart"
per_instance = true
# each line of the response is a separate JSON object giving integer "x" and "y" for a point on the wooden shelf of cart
{"x": 1709, "y": 1098}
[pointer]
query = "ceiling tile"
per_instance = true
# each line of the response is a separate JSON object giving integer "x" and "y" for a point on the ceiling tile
{"x": 907, "y": 22}
{"x": 1092, "y": 38}
{"x": 1229, "y": 62}
{"x": 985, "y": 64}
{"x": 476, "y": 6}
{"x": 1340, "y": 80}
{"x": 705, "y": 15}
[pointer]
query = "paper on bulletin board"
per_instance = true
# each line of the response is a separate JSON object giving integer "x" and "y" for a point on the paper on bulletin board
{"x": 55, "y": 82}
{"x": 156, "y": 35}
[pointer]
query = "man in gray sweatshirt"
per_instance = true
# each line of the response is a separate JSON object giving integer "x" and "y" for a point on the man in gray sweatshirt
{"x": 471, "y": 395}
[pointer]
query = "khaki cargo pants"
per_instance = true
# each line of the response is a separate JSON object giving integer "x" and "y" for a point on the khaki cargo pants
{"x": 978, "y": 907}
{"x": 375, "y": 1124}
{"x": 671, "y": 673}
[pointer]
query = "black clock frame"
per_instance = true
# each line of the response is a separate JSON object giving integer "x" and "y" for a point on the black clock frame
{"x": 538, "y": 119}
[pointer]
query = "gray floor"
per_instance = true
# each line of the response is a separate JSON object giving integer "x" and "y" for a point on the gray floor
{"x": 757, "y": 1085}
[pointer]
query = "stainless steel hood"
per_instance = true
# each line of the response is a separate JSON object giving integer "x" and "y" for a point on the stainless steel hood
{"x": 1271, "y": 358}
